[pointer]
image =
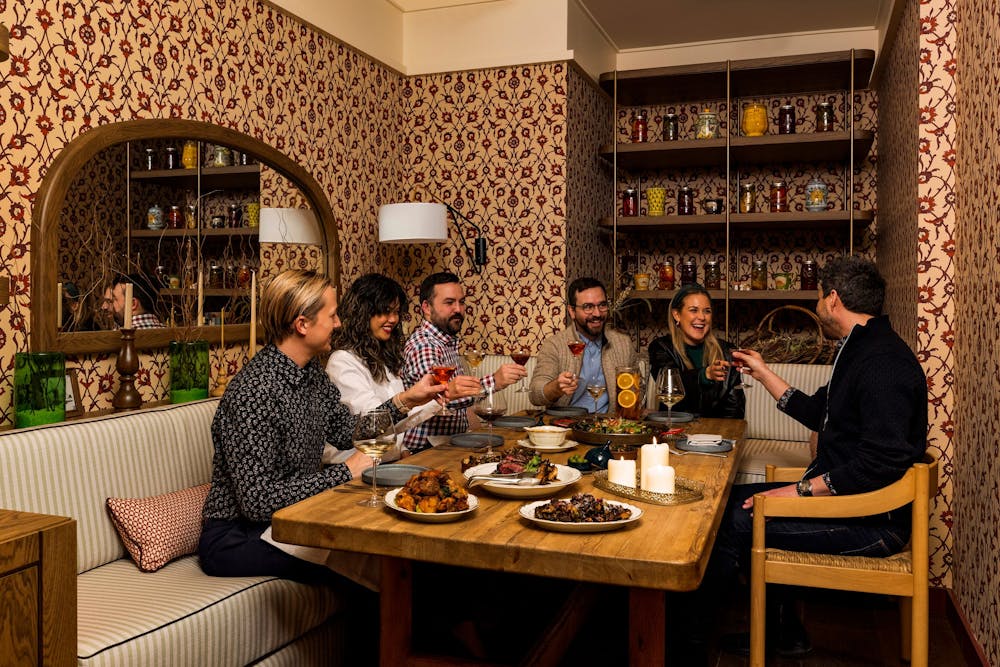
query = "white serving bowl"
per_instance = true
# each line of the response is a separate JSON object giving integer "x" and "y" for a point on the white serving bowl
{"x": 546, "y": 436}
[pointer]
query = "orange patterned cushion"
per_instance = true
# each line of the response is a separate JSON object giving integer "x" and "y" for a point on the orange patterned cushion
{"x": 158, "y": 529}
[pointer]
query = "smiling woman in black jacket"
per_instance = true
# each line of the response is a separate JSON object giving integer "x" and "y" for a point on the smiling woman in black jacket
{"x": 703, "y": 360}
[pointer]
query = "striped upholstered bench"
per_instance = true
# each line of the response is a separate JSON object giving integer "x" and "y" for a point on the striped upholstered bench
{"x": 175, "y": 615}
{"x": 772, "y": 436}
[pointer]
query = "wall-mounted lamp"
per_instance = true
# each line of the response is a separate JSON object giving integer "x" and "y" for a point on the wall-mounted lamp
{"x": 289, "y": 225}
{"x": 421, "y": 222}
{"x": 4, "y": 43}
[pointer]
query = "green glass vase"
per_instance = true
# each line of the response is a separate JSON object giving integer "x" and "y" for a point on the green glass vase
{"x": 39, "y": 388}
{"x": 188, "y": 371}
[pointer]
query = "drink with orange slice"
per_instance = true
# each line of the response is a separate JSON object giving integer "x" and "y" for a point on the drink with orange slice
{"x": 630, "y": 394}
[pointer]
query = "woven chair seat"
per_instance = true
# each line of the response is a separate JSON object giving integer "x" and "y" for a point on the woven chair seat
{"x": 897, "y": 563}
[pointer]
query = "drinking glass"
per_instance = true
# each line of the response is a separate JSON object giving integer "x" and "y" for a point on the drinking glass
{"x": 473, "y": 358}
{"x": 745, "y": 381}
{"x": 520, "y": 356}
{"x": 670, "y": 391}
{"x": 576, "y": 347}
{"x": 374, "y": 435}
{"x": 596, "y": 389}
{"x": 443, "y": 375}
{"x": 489, "y": 408}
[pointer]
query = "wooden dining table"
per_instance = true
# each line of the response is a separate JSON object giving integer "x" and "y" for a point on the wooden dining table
{"x": 667, "y": 549}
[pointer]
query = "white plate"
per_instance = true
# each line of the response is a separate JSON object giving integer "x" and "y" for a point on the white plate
{"x": 564, "y": 447}
{"x": 439, "y": 517}
{"x": 528, "y": 512}
{"x": 565, "y": 477}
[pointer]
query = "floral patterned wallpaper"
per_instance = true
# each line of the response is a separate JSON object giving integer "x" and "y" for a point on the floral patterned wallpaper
{"x": 968, "y": 57}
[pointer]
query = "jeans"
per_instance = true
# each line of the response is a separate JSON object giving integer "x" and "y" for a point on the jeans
{"x": 879, "y": 536}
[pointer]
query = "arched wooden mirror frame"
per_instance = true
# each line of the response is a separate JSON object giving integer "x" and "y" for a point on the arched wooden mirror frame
{"x": 51, "y": 199}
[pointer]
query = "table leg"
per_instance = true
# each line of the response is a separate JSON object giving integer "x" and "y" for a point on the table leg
{"x": 396, "y": 612}
{"x": 647, "y": 618}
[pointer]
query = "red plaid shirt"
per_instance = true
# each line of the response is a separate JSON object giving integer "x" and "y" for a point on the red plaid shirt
{"x": 428, "y": 346}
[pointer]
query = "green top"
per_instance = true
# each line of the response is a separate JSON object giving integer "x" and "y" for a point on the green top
{"x": 696, "y": 353}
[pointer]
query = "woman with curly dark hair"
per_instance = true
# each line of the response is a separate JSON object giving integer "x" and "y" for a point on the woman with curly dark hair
{"x": 368, "y": 348}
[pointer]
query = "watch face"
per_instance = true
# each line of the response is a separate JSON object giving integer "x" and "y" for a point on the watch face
{"x": 804, "y": 488}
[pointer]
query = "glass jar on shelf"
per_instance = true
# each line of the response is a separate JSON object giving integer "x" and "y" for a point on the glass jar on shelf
{"x": 640, "y": 127}
{"x": 222, "y": 157}
{"x": 748, "y": 198}
{"x": 665, "y": 275}
{"x": 816, "y": 195}
{"x": 189, "y": 154}
{"x": 825, "y": 120}
{"x": 758, "y": 275}
{"x": 630, "y": 203}
{"x": 713, "y": 275}
{"x": 786, "y": 119}
{"x": 779, "y": 197}
{"x": 175, "y": 219}
{"x": 191, "y": 216}
{"x": 216, "y": 275}
{"x": 234, "y": 217}
{"x": 707, "y": 125}
{"x": 170, "y": 158}
{"x": 154, "y": 217}
{"x": 150, "y": 159}
{"x": 689, "y": 273}
{"x": 807, "y": 276}
{"x": 685, "y": 200}
{"x": 671, "y": 127}
{"x": 754, "y": 119}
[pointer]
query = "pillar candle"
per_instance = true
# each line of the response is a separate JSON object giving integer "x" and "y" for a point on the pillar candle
{"x": 253, "y": 315}
{"x": 659, "y": 479}
{"x": 201, "y": 299}
{"x": 222, "y": 328}
{"x": 621, "y": 471}
{"x": 652, "y": 455}
{"x": 128, "y": 307}
{"x": 59, "y": 300}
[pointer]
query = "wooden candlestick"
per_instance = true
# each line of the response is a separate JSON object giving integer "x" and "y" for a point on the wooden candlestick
{"x": 127, "y": 397}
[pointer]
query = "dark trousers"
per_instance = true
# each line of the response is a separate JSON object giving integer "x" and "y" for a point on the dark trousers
{"x": 234, "y": 549}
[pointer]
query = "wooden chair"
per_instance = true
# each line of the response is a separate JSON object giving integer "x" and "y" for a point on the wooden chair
{"x": 904, "y": 574}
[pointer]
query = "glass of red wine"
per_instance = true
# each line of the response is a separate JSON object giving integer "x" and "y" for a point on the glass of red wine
{"x": 489, "y": 408}
{"x": 443, "y": 375}
{"x": 520, "y": 356}
{"x": 576, "y": 347}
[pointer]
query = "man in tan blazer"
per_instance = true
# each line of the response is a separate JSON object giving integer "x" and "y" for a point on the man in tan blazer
{"x": 560, "y": 378}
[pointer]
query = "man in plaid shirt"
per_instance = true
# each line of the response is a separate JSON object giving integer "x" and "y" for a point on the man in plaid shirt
{"x": 435, "y": 343}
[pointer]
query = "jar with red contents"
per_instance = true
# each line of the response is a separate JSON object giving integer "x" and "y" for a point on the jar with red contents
{"x": 786, "y": 119}
{"x": 779, "y": 197}
{"x": 175, "y": 219}
{"x": 685, "y": 201}
{"x": 630, "y": 202}
{"x": 689, "y": 273}
{"x": 825, "y": 120}
{"x": 665, "y": 275}
{"x": 807, "y": 276}
{"x": 640, "y": 127}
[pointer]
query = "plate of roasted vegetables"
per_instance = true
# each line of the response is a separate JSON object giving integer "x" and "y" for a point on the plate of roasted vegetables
{"x": 432, "y": 496}
{"x": 599, "y": 430}
{"x": 522, "y": 473}
{"x": 583, "y": 513}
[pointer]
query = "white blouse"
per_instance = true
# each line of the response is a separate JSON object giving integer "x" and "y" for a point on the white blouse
{"x": 360, "y": 392}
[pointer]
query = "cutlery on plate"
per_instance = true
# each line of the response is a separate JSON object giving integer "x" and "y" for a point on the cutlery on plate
{"x": 680, "y": 453}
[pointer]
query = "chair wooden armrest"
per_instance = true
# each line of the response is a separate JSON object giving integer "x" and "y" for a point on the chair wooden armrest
{"x": 773, "y": 473}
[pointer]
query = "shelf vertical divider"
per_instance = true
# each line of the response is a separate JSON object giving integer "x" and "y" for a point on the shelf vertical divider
{"x": 729, "y": 133}
{"x": 850, "y": 166}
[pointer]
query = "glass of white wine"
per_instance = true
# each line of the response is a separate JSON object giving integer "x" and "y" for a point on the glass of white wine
{"x": 596, "y": 389}
{"x": 374, "y": 435}
{"x": 669, "y": 391}
{"x": 472, "y": 358}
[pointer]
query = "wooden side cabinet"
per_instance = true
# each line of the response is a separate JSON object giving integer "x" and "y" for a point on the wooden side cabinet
{"x": 37, "y": 589}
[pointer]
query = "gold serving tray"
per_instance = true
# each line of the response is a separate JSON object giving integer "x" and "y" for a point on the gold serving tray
{"x": 685, "y": 490}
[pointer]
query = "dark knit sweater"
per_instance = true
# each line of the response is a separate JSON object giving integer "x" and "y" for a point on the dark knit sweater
{"x": 877, "y": 416}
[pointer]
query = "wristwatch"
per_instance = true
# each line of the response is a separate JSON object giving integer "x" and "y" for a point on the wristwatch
{"x": 804, "y": 487}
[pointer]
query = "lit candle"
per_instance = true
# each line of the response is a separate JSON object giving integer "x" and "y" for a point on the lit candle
{"x": 128, "y": 307}
{"x": 222, "y": 328}
{"x": 59, "y": 305}
{"x": 659, "y": 479}
{"x": 652, "y": 455}
{"x": 201, "y": 294}
{"x": 253, "y": 315}
{"x": 622, "y": 471}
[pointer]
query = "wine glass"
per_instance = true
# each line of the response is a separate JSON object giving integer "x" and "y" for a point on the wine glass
{"x": 596, "y": 389}
{"x": 489, "y": 408}
{"x": 520, "y": 356}
{"x": 443, "y": 374}
{"x": 669, "y": 390}
{"x": 745, "y": 381}
{"x": 374, "y": 435}
{"x": 576, "y": 347}
{"x": 473, "y": 358}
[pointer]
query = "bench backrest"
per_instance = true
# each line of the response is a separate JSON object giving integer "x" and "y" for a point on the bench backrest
{"x": 70, "y": 469}
{"x": 764, "y": 420}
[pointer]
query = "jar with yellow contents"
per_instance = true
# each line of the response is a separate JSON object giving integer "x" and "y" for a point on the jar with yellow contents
{"x": 754, "y": 119}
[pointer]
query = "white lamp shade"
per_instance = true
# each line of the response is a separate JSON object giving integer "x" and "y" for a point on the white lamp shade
{"x": 412, "y": 222}
{"x": 289, "y": 225}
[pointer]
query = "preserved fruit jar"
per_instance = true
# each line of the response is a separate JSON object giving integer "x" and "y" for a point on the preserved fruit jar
{"x": 786, "y": 119}
{"x": 779, "y": 197}
{"x": 807, "y": 276}
{"x": 713, "y": 276}
{"x": 748, "y": 198}
{"x": 758, "y": 275}
{"x": 825, "y": 120}
{"x": 754, "y": 119}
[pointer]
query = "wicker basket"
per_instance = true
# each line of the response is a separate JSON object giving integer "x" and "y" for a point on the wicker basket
{"x": 795, "y": 342}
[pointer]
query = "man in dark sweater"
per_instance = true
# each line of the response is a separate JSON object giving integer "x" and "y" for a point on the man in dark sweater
{"x": 871, "y": 421}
